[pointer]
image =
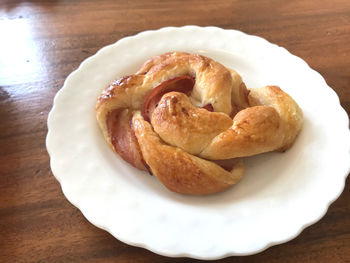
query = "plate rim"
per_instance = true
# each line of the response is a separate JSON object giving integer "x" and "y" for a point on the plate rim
{"x": 176, "y": 254}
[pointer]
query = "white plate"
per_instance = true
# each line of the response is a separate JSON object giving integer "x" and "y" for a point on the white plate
{"x": 279, "y": 195}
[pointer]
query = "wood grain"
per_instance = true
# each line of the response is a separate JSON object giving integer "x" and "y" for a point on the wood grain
{"x": 41, "y": 42}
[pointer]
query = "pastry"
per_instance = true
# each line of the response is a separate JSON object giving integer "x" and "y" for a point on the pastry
{"x": 190, "y": 121}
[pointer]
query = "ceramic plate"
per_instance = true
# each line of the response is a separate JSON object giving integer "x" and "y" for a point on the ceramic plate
{"x": 279, "y": 195}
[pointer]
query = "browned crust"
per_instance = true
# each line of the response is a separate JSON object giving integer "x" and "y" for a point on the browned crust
{"x": 179, "y": 171}
{"x": 264, "y": 119}
{"x": 255, "y": 130}
{"x": 192, "y": 128}
{"x": 289, "y": 111}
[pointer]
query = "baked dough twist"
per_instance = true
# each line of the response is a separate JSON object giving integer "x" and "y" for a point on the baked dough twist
{"x": 187, "y": 119}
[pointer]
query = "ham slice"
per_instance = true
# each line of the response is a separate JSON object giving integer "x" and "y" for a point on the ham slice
{"x": 182, "y": 84}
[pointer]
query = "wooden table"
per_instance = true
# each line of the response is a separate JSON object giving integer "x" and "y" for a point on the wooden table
{"x": 41, "y": 42}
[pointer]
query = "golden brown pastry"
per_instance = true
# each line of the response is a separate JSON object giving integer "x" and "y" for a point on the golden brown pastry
{"x": 188, "y": 120}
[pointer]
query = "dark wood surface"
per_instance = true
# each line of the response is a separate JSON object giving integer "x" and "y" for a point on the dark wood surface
{"x": 41, "y": 42}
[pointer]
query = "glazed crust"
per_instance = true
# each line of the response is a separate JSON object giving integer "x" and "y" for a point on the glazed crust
{"x": 185, "y": 131}
{"x": 192, "y": 128}
{"x": 178, "y": 170}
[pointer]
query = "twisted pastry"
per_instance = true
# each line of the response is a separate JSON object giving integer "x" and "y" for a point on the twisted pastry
{"x": 187, "y": 119}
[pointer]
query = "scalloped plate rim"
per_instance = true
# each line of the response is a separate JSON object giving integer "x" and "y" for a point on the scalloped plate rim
{"x": 269, "y": 243}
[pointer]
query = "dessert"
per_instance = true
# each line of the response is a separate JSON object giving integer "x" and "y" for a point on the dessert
{"x": 190, "y": 121}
